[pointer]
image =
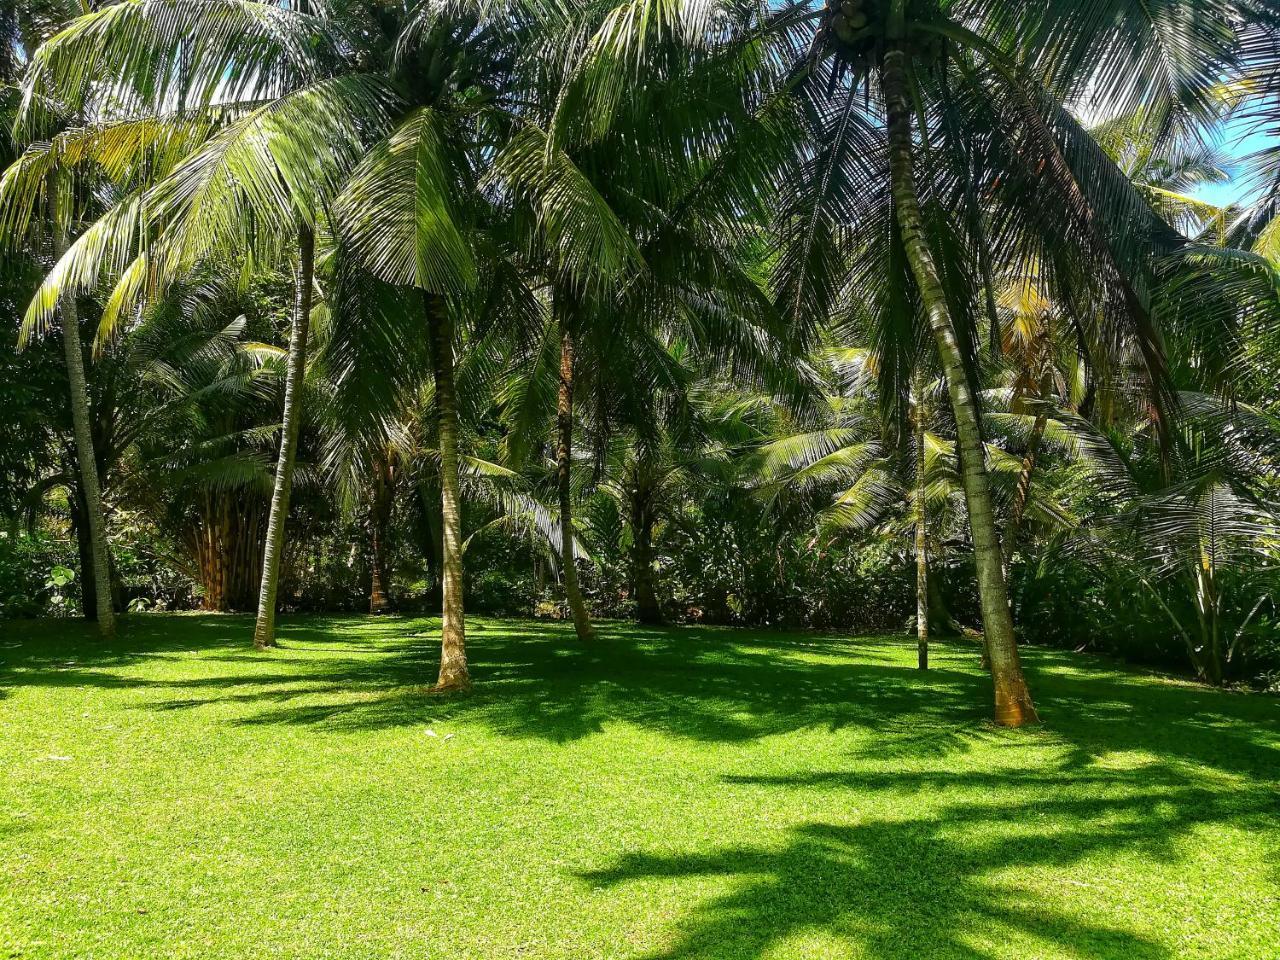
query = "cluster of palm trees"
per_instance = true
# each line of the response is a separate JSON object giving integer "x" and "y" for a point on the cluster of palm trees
{"x": 615, "y": 213}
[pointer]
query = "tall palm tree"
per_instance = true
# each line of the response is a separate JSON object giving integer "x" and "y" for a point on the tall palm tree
{"x": 63, "y": 208}
{"x": 940, "y": 139}
{"x": 399, "y": 101}
{"x": 86, "y": 457}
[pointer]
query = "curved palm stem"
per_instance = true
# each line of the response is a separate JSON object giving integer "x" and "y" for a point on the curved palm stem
{"x": 265, "y": 627}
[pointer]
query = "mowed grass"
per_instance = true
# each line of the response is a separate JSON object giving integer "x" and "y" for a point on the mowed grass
{"x": 679, "y": 793}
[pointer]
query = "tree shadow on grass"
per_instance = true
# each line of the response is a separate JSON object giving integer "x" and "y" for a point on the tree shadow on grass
{"x": 962, "y": 882}
{"x": 933, "y": 886}
{"x": 535, "y": 680}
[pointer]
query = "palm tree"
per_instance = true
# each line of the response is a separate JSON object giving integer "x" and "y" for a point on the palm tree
{"x": 63, "y": 208}
{"x": 398, "y": 103}
{"x": 940, "y": 136}
{"x": 86, "y": 457}
{"x": 264, "y": 633}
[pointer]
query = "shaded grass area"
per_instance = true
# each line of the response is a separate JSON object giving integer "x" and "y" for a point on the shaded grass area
{"x": 682, "y": 793}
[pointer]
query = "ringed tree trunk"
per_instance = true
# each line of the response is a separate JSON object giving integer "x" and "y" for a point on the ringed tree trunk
{"x": 564, "y": 463}
{"x": 95, "y": 522}
{"x": 379, "y": 519}
{"x": 1013, "y": 705}
{"x": 264, "y": 631}
{"x": 454, "y": 675}
{"x": 922, "y": 549}
{"x": 648, "y": 610}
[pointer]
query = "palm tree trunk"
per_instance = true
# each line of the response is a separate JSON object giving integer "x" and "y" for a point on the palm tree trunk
{"x": 564, "y": 463}
{"x": 922, "y": 549}
{"x": 86, "y": 459}
{"x": 454, "y": 675}
{"x": 1022, "y": 494}
{"x": 648, "y": 610}
{"x": 1013, "y": 706}
{"x": 379, "y": 515}
{"x": 264, "y": 631}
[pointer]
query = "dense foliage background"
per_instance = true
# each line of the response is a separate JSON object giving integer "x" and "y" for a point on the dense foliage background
{"x": 690, "y": 320}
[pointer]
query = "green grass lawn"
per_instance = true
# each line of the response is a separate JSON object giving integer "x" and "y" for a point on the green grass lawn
{"x": 673, "y": 793}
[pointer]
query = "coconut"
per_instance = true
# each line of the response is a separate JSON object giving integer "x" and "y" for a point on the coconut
{"x": 843, "y": 30}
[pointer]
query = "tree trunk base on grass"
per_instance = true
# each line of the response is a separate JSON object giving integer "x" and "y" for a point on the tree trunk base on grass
{"x": 453, "y": 684}
{"x": 1014, "y": 707}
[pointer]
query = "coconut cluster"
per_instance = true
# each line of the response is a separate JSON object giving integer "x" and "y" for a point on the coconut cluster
{"x": 856, "y": 27}
{"x": 853, "y": 23}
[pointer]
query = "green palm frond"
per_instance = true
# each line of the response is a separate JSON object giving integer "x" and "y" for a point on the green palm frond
{"x": 585, "y": 237}
{"x": 400, "y": 209}
{"x": 148, "y": 55}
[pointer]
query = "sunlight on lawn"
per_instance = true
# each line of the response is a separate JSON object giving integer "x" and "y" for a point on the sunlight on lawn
{"x": 666, "y": 794}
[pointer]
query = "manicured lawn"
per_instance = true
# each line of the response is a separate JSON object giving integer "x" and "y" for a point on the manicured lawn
{"x": 678, "y": 793}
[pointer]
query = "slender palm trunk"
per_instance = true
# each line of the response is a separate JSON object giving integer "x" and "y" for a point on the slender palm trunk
{"x": 454, "y": 675}
{"x": 379, "y": 518}
{"x": 648, "y": 610}
{"x": 86, "y": 460}
{"x": 264, "y": 631}
{"x": 1022, "y": 494}
{"x": 922, "y": 549}
{"x": 1206, "y": 599}
{"x": 1013, "y": 706}
{"x": 564, "y": 463}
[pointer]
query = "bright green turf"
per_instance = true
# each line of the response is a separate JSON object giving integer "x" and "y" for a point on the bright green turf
{"x": 680, "y": 793}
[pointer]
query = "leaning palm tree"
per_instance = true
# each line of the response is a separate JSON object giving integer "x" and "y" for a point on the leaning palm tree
{"x": 398, "y": 101}
{"x": 940, "y": 139}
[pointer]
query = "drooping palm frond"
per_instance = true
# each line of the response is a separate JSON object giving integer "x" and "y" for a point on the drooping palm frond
{"x": 584, "y": 236}
{"x": 160, "y": 55}
{"x": 400, "y": 209}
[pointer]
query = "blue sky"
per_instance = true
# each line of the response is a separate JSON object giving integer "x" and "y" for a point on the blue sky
{"x": 1239, "y": 139}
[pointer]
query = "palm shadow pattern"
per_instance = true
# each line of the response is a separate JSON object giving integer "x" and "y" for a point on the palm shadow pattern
{"x": 930, "y": 882}
{"x": 947, "y": 884}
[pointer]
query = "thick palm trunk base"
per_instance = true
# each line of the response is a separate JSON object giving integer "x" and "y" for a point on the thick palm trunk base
{"x": 564, "y": 464}
{"x": 1013, "y": 706}
{"x": 454, "y": 676}
{"x": 264, "y": 631}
